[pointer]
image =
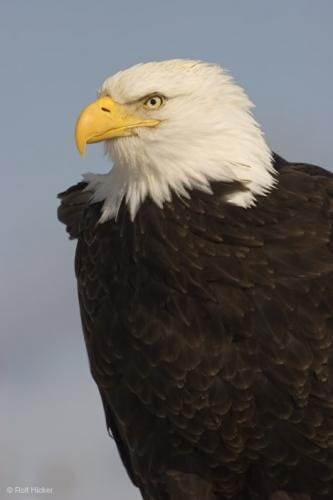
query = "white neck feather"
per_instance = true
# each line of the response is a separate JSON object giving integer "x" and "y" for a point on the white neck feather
{"x": 209, "y": 135}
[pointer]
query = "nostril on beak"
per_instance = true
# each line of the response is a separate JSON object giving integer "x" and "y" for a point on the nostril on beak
{"x": 106, "y": 110}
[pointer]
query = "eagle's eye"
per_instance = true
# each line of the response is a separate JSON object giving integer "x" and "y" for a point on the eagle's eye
{"x": 154, "y": 102}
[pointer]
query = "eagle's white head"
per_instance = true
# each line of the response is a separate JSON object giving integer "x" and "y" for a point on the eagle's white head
{"x": 169, "y": 127}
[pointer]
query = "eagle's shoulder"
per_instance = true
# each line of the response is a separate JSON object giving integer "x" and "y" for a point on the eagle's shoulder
{"x": 280, "y": 164}
{"x": 73, "y": 204}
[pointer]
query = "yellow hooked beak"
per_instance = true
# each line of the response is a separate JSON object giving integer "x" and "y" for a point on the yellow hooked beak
{"x": 106, "y": 119}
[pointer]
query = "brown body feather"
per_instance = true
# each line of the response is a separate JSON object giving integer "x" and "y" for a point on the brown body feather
{"x": 209, "y": 330}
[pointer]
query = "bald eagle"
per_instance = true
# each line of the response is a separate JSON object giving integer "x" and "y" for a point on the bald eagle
{"x": 204, "y": 265}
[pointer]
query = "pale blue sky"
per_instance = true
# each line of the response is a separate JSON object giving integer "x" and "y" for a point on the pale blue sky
{"x": 53, "y": 56}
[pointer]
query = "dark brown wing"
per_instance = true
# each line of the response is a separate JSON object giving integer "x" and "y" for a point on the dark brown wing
{"x": 73, "y": 213}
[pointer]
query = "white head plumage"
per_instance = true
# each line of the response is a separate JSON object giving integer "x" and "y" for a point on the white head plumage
{"x": 206, "y": 133}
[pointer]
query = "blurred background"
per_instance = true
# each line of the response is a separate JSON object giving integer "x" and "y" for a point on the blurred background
{"x": 53, "y": 57}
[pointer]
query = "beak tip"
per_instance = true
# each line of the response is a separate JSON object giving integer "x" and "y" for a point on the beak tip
{"x": 82, "y": 151}
{"x": 80, "y": 145}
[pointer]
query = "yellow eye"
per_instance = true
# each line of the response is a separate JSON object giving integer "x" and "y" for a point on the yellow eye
{"x": 154, "y": 102}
